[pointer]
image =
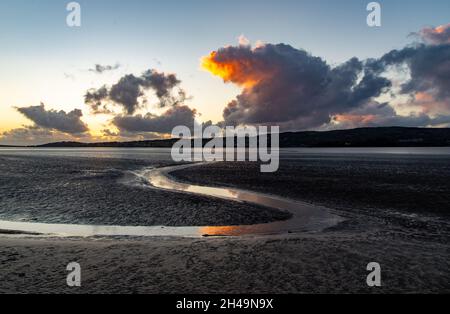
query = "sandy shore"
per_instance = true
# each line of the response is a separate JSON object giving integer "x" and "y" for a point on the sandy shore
{"x": 412, "y": 247}
{"x": 329, "y": 262}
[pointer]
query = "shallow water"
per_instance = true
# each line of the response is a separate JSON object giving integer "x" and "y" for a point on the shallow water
{"x": 305, "y": 217}
{"x": 152, "y": 153}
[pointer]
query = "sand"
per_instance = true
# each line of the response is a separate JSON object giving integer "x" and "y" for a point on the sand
{"x": 104, "y": 191}
{"x": 329, "y": 262}
{"x": 412, "y": 247}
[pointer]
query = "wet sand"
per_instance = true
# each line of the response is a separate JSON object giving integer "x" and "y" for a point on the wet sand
{"x": 410, "y": 243}
{"x": 105, "y": 191}
{"x": 412, "y": 184}
{"x": 310, "y": 263}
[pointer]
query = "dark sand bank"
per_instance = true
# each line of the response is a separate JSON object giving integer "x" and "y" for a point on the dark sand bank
{"x": 409, "y": 184}
{"x": 106, "y": 192}
{"x": 319, "y": 263}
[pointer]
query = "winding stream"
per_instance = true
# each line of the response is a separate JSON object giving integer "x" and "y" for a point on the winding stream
{"x": 306, "y": 217}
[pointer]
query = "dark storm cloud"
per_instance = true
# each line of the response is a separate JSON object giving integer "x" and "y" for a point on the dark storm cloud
{"x": 98, "y": 68}
{"x": 295, "y": 90}
{"x": 283, "y": 84}
{"x": 178, "y": 115}
{"x": 429, "y": 67}
{"x": 128, "y": 91}
{"x": 55, "y": 120}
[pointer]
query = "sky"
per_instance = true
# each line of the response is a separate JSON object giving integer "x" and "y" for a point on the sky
{"x": 158, "y": 49}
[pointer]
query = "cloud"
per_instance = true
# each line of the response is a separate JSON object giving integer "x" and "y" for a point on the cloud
{"x": 428, "y": 85}
{"x": 48, "y": 126}
{"x": 289, "y": 87}
{"x": 429, "y": 67}
{"x": 35, "y": 135}
{"x": 69, "y": 123}
{"x": 99, "y": 69}
{"x": 178, "y": 115}
{"x": 421, "y": 120}
{"x": 436, "y": 35}
{"x": 125, "y": 136}
{"x": 160, "y": 82}
{"x": 129, "y": 92}
{"x": 243, "y": 41}
{"x": 95, "y": 99}
{"x": 376, "y": 115}
{"x": 282, "y": 85}
{"x": 126, "y": 92}
{"x": 109, "y": 133}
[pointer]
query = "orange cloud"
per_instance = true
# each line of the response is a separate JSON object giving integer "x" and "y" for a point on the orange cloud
{"x": 440, "y": 29}
{"x": 428, "y": 104}
{"x": 354, "y": 118}
{"x": 423, "y": 97}
{"x": 436, "y": 35}
{"x": 241, "y": 71}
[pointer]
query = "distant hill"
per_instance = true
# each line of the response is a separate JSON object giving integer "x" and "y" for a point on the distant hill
{"x": 149, "y": 143}
{"x": 369, "y": 137}
{"x": 361, "y": 137}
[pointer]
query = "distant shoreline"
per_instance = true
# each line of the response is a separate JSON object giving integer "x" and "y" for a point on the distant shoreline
{"x": 360, "y": 137}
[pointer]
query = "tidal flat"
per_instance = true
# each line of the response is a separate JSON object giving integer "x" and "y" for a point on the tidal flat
{"x": 393, "y": 205}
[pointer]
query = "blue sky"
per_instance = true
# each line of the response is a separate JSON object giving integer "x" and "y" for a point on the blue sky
{"x": 44, "y": 60}
{"x": 333, "y": 29}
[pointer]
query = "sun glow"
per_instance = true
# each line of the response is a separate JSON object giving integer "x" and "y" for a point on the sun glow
{"x": 230, "y": 71}
{"x": 441, "y": 29}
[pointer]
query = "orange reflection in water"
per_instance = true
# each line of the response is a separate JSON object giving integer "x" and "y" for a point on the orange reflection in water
{"x": 220, "y": 230}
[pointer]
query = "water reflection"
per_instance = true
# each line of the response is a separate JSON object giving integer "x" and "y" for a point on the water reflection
{"x": 306, "y": 217}
{"x": 160, "y": 179}
{"x": 69, "y": 230}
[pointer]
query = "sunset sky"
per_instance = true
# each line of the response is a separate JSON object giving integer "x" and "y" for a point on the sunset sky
{"x": 134, "y": 69}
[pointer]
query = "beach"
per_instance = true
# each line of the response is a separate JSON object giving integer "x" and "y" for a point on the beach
{"x": 409, "y": 241}
{"x": 330, "y": 262}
